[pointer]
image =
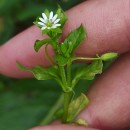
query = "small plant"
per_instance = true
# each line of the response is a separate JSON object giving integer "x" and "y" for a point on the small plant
{"x": 61, "y": 64}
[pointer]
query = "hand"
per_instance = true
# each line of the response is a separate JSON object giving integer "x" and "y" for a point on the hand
{"x": 108, "y": 27}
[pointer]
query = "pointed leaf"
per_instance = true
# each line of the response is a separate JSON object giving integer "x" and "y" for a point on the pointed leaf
{"x": 40, "y": 43}
{"x": 88, "y": 72}
{"x": 76, "y": 37}
{"x": 41, "y": 73}
{"x": 62, "y": 16}
{"x": 66, "y": 49}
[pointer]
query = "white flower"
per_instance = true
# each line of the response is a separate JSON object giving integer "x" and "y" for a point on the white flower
{"x": 49, "y": 23}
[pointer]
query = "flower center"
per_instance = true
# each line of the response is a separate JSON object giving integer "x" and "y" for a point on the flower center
{"x": 49, "y": 23}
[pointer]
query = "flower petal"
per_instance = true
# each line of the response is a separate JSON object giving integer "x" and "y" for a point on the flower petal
{"x": 44, "y": 16}
{"x": 43, "y": 20}
{"x": 40, "y": 23}
{"x": 56, "y": 21}
{"x": 57, "y": 25}
{"x": 51, "y": 15}
{"x": 54, "y": 18}
{"x": 54, "y": 26}
{"x": 43, "y": 28}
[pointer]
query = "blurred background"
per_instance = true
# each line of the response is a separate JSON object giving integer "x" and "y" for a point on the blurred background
{"x": 24, "y": 103}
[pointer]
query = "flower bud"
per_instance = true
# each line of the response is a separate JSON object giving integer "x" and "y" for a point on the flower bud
{"x": 108, "y": 56}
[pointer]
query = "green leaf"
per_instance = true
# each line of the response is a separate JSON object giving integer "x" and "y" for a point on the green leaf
{"x": 76, "y": 106}
{"x": 40, "y": 43}
{"x": 66, "y": 49}
{"x": 47, "y": 12}
{"x": 75, "y": 38}
{"x": 88, "y": 72}
{"x": 62, "y": 16}
{"x": 41, "y": 73}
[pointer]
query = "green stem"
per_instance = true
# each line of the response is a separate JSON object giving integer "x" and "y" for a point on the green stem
{"x": 67, "y": 99}
{"x": 86, "y": 58}
{"x": 69, "y": 74}
{"x": 63, "y": 76}
{"x": 51, "y": 113}
{"x": 48, "y": 56}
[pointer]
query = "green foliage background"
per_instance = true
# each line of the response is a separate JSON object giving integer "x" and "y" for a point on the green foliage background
{"x": 24, "y": 103}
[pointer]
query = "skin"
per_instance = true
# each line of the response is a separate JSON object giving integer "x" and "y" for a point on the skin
{"x": 108, "y": 27}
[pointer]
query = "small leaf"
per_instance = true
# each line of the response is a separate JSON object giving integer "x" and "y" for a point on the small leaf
{"x": 76, "y": 37}
{"x": 66, "y": 49}
{"x": 36, "y": 22}
{"x": 76, "y": 106}
{"x": 62, "y": 16}
{"x": 88, "y": 72}
{"x": 40, "y": 43}
{"x": 41, "y": 73}
{"x": 63, "y": 48}
{"x": 47, "y": 12}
